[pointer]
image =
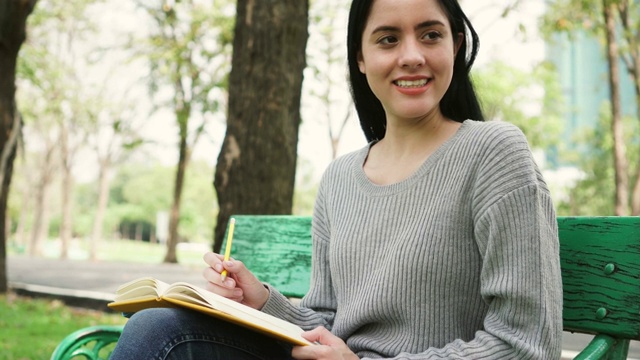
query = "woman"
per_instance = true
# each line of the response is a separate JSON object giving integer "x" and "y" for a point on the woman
{"x": 438, "y": 240}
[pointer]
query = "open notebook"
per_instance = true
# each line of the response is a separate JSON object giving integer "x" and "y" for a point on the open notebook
{"x": 148, "y": 292}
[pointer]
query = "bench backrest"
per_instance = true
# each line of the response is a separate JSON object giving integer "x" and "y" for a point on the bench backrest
{"x": 600, "y": 260}
{"x": 277, "y": 249}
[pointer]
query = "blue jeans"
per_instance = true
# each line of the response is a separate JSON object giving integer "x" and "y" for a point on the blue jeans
{"x": 165, "y": 333}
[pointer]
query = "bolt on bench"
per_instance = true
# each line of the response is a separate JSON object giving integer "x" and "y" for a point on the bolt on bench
{"x": 599, "y": 256}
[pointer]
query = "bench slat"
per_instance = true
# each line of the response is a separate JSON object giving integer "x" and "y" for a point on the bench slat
{"x": 601, "y": 274}
{"x": 277, "y": 248}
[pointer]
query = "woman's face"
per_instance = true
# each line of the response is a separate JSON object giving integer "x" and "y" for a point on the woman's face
{"x": 407, "y": 55}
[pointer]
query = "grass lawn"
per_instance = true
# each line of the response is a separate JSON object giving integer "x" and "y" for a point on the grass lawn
{"x": 189, "y": 254}
{"x": 32, "y": 328}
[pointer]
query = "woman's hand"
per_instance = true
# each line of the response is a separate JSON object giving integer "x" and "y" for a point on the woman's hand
{"x": 240, "y": 284}
{"x": 330, "y": 347}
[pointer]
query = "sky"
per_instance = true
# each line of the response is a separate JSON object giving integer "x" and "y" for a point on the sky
{"x": 499, "y": 37}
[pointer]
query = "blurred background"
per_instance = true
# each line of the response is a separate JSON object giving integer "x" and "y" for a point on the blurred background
{"x": 117, "y": 97}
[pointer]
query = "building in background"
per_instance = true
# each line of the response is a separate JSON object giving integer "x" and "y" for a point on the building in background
{"x": 584, "y": 79}
{"x": 583, "y": 72}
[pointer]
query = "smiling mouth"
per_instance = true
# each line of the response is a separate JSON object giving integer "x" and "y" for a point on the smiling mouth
{"x": 411, "y": 83}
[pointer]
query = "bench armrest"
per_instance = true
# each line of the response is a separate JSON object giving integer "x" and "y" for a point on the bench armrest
{"x": 88, "y": 342}
{"x": 604, "y": 347}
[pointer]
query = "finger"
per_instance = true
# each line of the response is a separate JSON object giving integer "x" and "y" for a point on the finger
{"x": 238, "y": 271}
{"x": 326, "y": 346}
{"x": 231, "y": 294}
{"x": 319, "y": 335}
{"x": 227, "y": 288}
{"x": 306, "y": 352}
{"x": 214, "y": 261}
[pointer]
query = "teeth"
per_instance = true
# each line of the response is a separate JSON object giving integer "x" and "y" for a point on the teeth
{"x": 411, "y": 83}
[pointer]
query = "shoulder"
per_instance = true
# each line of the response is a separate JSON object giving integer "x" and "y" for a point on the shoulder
{"x": 501, "y": 153}
{"x": 495, "y": 132}
{"x": 495, "y": 141}
{"x": 338, "y": 176}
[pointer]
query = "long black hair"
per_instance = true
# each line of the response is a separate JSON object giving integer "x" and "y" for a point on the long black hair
{"x": 459, "y": 103}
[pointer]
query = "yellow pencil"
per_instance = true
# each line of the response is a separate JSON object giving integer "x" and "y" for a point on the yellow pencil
{"x": 227, "y": 250}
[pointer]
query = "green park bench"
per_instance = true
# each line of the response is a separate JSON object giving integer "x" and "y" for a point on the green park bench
{"x": 600, "y": 260}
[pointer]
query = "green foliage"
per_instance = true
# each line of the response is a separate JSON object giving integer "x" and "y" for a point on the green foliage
{"x": 32, "y": 328}
{"x": 572, "y": 16}
{"x": 140, "y": 191}
{"x": 530, "y": 100}
{"x": 189, "y": 51}
{"x": 594, "y": 194}
{"x": 48, "y": 66}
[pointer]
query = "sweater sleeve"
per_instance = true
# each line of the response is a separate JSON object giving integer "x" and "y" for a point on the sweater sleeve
{"x": 520, "y": 278}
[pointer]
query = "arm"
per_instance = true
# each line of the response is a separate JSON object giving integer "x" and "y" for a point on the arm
{"x": 515, "y": 231}
{"x": 520, "y": 280}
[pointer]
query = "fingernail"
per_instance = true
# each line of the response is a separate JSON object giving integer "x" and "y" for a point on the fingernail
{"x": 237, "y": 292}
{"x": 218, "y": 267}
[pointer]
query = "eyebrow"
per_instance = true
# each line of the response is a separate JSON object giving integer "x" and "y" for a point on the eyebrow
{"x": 422, "y": 25}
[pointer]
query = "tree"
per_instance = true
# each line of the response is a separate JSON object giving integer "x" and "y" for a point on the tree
{"x": 605, "y": 19}
{"x": 529, "y": 99}
{"x": 593, "y": 193}
{"x": 255, "y": 172}
{"x": 46, "y": 166}
{"x": 330, "y": 58}
{"x": 138, "y": 194}
{"x": 113, "y": 140}
{"x": 619, "y": 151}
{"x": 630, "y": 22}
{"x": 13, "y": 19}
{"x": 186, "y": 59}
{"x": 51, "y": 73}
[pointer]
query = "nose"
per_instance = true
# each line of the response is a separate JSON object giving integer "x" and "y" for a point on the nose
{"x": 411, "y": 54}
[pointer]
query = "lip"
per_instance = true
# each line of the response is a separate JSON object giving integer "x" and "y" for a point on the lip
{"x": 413, "y": 90}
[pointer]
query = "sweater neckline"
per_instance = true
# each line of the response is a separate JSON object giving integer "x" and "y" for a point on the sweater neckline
{"x": 370, "y": 188}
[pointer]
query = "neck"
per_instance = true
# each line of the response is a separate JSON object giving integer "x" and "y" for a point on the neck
{"x": 408, "y": 136}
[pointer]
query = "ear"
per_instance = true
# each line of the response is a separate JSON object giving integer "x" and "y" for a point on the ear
{"x": 361, "y": 63}
{"x": 457, "y": 44}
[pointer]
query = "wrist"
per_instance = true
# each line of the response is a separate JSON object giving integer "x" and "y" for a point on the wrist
{"x": 263, "y": 297}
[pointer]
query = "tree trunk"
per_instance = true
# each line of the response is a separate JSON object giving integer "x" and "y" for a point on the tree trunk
{"x": 620, "y": 162}
{"x": 174, "y": 217}
{"x": 632, "y": 36}
{"x": 21, "y": 240}
{"x": 40, "y": 230}
{"x": 256, "y": 167}
{"x": 13, "y": 19}
{"x": 635, "y": 195}
{"x": 103, "y": 197}
{"x": 40, "y": 221}
{"x": 67, "y": 189}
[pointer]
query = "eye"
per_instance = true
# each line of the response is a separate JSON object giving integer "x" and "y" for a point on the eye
{"x": 432, "y": 35}
{"x": 387, "y": 40}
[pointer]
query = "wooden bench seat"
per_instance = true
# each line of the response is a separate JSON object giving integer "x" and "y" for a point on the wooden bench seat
{"x": 600, "y": 261}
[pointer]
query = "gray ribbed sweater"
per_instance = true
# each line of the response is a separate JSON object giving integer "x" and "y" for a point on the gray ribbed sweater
{"x": 458, "y": 261}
